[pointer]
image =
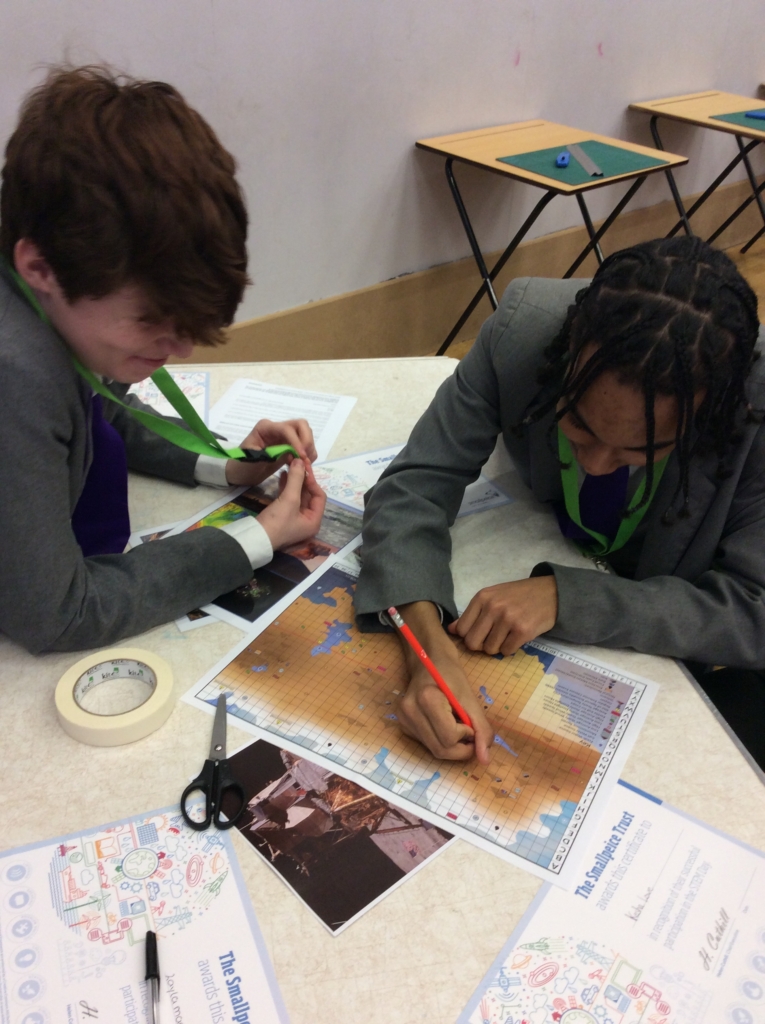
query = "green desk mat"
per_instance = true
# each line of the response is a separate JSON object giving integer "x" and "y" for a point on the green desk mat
{"x": 741, "y": 119}
{"x": 612, "y": 160}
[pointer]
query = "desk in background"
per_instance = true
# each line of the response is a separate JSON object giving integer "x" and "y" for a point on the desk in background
{"x": 420, "y": 953}
{"x": 703, "y": 109}
{"x": 486, "y": 147}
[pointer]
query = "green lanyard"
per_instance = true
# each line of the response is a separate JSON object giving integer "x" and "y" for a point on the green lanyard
{"x": 570, "y": 479}
{"x": 198, "y": 438}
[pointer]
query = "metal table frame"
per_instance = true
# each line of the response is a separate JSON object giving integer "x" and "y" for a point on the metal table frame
{"x": 702, "y": 110}
{"x": 483, "y": 148}
{"x": 488, "y": 276}
{"x": 756, "y": 196}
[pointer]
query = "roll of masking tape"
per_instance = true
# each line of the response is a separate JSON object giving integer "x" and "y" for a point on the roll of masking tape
{"x": 91, "y": 694}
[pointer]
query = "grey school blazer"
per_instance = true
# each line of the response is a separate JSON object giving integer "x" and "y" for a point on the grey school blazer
{"x": 698, "y": 586}
{"x": 51, "y": 597}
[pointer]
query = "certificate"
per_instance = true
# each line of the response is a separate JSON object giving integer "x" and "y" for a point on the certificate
{"x": 665, "y": 925}
{"x": 74, "y": 913}
{"x": 347, "y": 480}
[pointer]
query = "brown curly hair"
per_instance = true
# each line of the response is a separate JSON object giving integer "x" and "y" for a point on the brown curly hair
{"x": 118, "y": 181}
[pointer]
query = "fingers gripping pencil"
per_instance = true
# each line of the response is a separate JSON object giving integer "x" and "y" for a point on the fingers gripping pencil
{"x": 438, "y": 679}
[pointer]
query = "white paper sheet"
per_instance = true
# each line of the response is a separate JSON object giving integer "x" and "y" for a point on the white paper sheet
{"x": 665, "y": 925}
{"x": 74, "y": 912}
{"x": 346, "y": 481}
{"x": 194, "y": 385}
{"x": 248, "y": 401}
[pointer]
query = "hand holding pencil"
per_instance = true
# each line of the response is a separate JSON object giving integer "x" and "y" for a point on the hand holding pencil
{"x": 439, "y": 708}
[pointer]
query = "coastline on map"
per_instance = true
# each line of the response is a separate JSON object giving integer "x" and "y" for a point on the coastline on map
{"x": 312, "y": 678}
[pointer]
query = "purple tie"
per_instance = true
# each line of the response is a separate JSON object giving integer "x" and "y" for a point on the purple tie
{"x": 100, "y": 521}
{"x": 602, "y": 500}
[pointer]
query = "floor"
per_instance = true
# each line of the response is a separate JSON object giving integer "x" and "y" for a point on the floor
{"x": 751, "y": 265}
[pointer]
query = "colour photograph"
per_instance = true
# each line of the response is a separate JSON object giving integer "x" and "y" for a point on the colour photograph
{"x": 339, "y": 847}
{"x": 288, "y": 567}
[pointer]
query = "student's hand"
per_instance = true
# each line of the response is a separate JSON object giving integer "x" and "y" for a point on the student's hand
{"x": 500, "y": 619}
{"x": 265, "y": 433}
{"x": 296, "y": 514}
{"x": 423, "y": 711}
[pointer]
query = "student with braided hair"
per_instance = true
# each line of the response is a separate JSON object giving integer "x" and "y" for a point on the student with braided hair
{"x": 630, "y": 408}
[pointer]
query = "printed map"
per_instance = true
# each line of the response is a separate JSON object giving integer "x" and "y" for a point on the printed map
{"x": 312, "y": 679}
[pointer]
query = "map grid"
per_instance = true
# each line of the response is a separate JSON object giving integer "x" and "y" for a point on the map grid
{"x": 315, "y": 682}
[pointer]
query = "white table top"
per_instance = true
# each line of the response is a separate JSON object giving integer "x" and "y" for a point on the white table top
{"x": 419, "y": 954}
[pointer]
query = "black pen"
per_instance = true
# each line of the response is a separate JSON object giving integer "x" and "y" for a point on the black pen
{"x": 152, "y": 976}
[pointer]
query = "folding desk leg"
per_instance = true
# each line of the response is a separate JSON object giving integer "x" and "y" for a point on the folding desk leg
{"x": 588, "y": 224}
{"x": 517, "y": 238}
{"x": 753, "y": 239}
{"x": 756, "y": 191}
{"x": 470, "y": 233}
{"x": 736, "y": 213}
{"x": 708, "y": 192}
{"x": 606, "y": 225}
{"x": 671, "y": 182}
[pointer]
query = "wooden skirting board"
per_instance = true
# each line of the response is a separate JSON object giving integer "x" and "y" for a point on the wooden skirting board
{"x": 411, "y": 315}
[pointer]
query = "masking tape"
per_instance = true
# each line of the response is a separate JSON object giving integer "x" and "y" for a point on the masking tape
{"x": 110, "y": 730}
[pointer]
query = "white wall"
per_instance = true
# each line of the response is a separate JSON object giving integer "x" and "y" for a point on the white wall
{"x": 321, "y": 101}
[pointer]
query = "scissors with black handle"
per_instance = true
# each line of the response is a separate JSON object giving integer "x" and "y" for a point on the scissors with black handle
{"x": 215, "y": 782}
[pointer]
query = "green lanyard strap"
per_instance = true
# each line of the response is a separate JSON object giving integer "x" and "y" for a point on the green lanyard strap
{"x": 570, "y": 480}
{"x": 198, "y": 438}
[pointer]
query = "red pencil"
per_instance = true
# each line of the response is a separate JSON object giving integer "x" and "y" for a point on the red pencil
{"x": 438, "y": 679}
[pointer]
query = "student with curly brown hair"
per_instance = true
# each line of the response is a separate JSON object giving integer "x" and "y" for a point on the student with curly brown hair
{"x": 631, "y": 408}
{"x": 122, "y": 243}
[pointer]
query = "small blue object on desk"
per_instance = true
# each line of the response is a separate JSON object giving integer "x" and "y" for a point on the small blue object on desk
{"x": 759, "y": 114}
{"x": 562, "y": 160}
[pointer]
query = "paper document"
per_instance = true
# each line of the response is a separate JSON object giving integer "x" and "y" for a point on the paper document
{"x": 248, "y": 401}
{"x": 665, "y": 925}
{"x": 74, "y": 913}
{"x": 339, "y": 848}
{"x": 346, "y": 481}
{"x": 271, "y": 582}
{"x": 563, "y": 723}
{"x": 194, "y": 385}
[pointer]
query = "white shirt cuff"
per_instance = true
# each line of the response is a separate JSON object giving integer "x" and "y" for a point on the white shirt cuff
{"x": 211, "y": 470}
{"x": 253, "y": 538}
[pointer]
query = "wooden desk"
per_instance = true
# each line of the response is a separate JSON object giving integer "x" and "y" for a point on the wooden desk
{"x": 700, "y": 108}
{"x": 420, "y": 953}
{"x": 483, "y": 148}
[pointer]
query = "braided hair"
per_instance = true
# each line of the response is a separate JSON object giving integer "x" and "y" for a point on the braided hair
{"x": 670, "y": 317}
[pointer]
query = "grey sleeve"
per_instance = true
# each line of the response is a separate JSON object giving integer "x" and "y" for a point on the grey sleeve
{"x": 147, "y": 452}
{"x": 54, "y": 599}
{"x": 717, "y": 618}
{"x": 406, "y": 541}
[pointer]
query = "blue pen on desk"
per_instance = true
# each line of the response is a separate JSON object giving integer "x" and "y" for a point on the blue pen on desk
{"x": 759, "y": 114}
{"x": 152, "y": 976}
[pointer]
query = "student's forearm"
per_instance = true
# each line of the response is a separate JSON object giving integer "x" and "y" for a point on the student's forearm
{"x": 424, "y": 620}
{"x": 715, "y": 619}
